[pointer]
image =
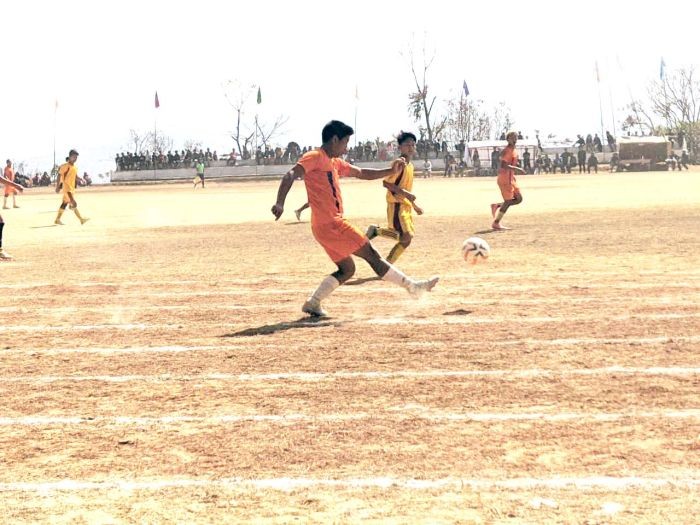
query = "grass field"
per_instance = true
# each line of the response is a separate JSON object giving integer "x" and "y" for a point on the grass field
{"x": 155, "y": 365}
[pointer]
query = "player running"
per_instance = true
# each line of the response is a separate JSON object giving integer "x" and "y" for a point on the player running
{"x": 322, "y": 169}
{"x": 9, "y": 190}
{"x": 400, "y": 201}
{"x": 4, "y": 256}
{"x": 506, "y": 182}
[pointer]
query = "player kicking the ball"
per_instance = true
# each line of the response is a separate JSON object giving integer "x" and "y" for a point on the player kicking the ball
{"x": 506, "y": 182}
{"x": 322, "y": 169}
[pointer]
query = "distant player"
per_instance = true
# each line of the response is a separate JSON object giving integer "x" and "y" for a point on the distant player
{"x": 400, "y": 202}
{"x": 322, "y": 169}
{"x": 506, "y": 181}
{"x": 199, "y": 178}
{"x": 298, "y": 211}
{"x": 67, "y": 175}
{"x": 9, "y": 190}
{"x": 4, "y": 256}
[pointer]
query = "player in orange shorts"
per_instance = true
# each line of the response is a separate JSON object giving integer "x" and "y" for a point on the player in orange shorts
{"x": 9, "y": 190}
{"x": 506, "y": 181}
{"x": 322, "y": 170}
{"x": 4, "y": 256}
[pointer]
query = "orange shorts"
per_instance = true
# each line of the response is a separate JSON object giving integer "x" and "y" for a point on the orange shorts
{"x": 9, "y": 190}
{"x": 508, "y": 186}
{"x": 339, "y": 238}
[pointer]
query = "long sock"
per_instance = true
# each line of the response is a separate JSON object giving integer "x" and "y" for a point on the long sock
{"x": 395, "y": 253}
{"x": 396, "y": 276}
{"x": 77, "y": 214}
{"x": 326, "y": 288}
{"x": 499, "y": 215}
{"x": 60, "y": 213}
{"x": 2, "y": 225}
{"x": 387, "y": 232}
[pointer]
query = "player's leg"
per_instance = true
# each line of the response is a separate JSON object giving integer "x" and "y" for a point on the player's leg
{"x": 390, "y": 273}
{"x": 14, "y": 199}
{"x": 403, "y": 224}
{"x": 312, "y": 306}
{"x": 298, "y": 211}
{"x": 7, "y": 194}
{"x": 61, "y": 209}
{"x": 516, "y": 199}
{"x": 4, "y": 256}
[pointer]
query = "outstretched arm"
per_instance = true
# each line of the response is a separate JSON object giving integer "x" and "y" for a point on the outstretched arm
{"x": 8, "y": 182}
{"x": 399, "y": 192}
{"x": 285, "y": 185}
{"x": 373, "y": 173}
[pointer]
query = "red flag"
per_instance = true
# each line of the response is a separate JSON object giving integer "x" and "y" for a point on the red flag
{"x": 157, "y": 101}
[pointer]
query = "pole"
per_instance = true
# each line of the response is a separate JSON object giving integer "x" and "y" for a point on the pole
{"x": 600, "y": 103}
{"x": 256, "y": 145}
{"x": 155, "y": 142}
{"x": 55, "y": 111}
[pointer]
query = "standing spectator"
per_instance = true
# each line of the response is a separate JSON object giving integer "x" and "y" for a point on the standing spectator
{"x": 9, "y": 188}
{"x": 580, "y": 142}
{"x": 684, "y": 160}
{"x": 475, "y": 158}
{"x": 526, "y": 161}
{"x": 593, "y": 163}
{"x": 565, "y": 164}
{"x": 581, "y": 160}
{"x": 495, "y": 158}
{"x": 427, "y": 168}
{"x": 589, "y": 143}
{"x": 611, "y": 140}
{"x": 597, "y": 143}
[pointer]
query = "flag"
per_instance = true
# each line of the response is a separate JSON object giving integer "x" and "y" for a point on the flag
{"x": 597, "y": 72}
{"x": 157, "y": 101}
{"x": 662, "y": 67}
{"x": 259, "y": 95}
{"x": 466, "y": 89}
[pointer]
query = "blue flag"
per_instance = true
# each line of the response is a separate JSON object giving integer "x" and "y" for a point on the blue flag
{"x": 662, "y": 72}
{"x": 466, "y": 89}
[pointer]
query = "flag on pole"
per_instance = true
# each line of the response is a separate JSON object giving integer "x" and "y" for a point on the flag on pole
{"x": 259, "y": 96}
{"x": 157, "y": 101}
{"x": 466, "y": 89}
{"x": 662, "y": 67}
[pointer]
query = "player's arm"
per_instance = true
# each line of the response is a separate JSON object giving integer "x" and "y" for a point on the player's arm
{"x": 285, "y": 185}
{"x": 399, "y": 192}
{"x": 12, "y": 184}
{"x": 59, "y": 181}
{"x": 506, "y": 166}
{"x": 374, "y": 173}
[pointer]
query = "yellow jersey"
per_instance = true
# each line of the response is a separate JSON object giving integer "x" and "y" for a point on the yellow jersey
{"x": 68, "y": 173}
{"x": 403, "y": 180}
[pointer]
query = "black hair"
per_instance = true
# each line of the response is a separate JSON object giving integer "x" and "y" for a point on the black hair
{"x": 335, "y": 128}
{"x": 404, "y": 136}
{"x": 72, "y": 152}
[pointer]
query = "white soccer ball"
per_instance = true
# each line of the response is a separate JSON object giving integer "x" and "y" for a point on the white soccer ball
{"x": 475, "y": 248}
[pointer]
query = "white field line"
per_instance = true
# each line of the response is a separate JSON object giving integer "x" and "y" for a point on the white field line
{"x": 676, "y": 301}
{"x": 609, "y": 483}
{"x": 219, "y": 283}
{"x": 398, "y": 413}
{"x": 409, "y": 321}
{"x": 453, "y": 344}
{"x": 332, "y": 376}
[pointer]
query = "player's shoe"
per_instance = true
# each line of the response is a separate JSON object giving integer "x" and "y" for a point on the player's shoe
{"x": 4, "y": 256}
{"x": 313, "y": 308}
{"x": 298, "y": 214}
{"x": 84, "y": 220}
{"x": 15, "y": 206}
{"x": 499, "y": 227}
{"x": 372, "y": 231}
{"x": 58, "y": 222}
{"x": 494, "y": 209}
{"x": 5, "y": 207}
{"x": 418, "y": 288}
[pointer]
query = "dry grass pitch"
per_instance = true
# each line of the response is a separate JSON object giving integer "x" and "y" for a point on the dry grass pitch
{"x": 156, "y": 366}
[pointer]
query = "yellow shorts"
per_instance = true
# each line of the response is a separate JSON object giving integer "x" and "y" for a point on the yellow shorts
{"x": 399, "y": 217}
{"x": 339, "y": 238}
{"x": 66, "y": 197}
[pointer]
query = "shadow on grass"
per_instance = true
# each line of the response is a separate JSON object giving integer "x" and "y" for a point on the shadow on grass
{"x": 304, "y": 322}
{"x": 362, "y": 280}
{"x": 459, "y": 311}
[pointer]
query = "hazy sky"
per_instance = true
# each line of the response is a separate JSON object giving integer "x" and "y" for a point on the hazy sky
{"x": 104, "y": 60}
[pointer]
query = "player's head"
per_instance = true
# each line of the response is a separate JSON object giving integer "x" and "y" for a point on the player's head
{"x": 9, "y": 162}
{"x": 512, "y": 137}
{"x": 335, "y": 136}
{"x": 72, "y": 156}
{"x": 407, "y": 143}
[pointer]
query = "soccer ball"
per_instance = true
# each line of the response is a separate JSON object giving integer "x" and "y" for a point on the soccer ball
{"x": 475, "y": 248}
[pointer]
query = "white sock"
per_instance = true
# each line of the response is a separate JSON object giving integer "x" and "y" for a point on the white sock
{"x": 326, "y": 288}
{"x": 396, "y": 276}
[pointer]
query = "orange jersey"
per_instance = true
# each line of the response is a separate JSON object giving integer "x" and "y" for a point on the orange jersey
{"x": 321, "y": 177}
{"x": 510, "y": 157}
{"x": 9, "y": 173}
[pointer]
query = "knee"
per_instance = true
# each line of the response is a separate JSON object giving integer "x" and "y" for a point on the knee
{"x": 345, "y": 272}
{"x": 518, "y": 199}
{"x": 406, "y": 239}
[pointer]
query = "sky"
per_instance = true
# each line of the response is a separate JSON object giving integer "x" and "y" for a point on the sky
{"x": 103, "y": 62}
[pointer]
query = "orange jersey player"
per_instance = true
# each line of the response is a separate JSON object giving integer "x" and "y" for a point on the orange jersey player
{"x": 507, "y": 182}
{"x": 9, "y": 190}
{"x": 322, "y": 170}
{"x": 4, "y": 256}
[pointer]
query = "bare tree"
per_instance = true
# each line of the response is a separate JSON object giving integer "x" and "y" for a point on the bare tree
{"x": 420, "y": 102}
{"x": 192, "y": 145}
{"x": 467, "y": 120}
{"x": 501, "y": 121}
{"x": 139, "y": 141}
{"x": 161, "y": 143}
{"x": 267, "y": 132}
{"x": 237, "y": 94}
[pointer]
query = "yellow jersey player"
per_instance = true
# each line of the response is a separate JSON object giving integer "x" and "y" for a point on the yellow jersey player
{"x": 400, "y": 201}
{"x": 67, "y": 175}
{"x": 11, "y": 185}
